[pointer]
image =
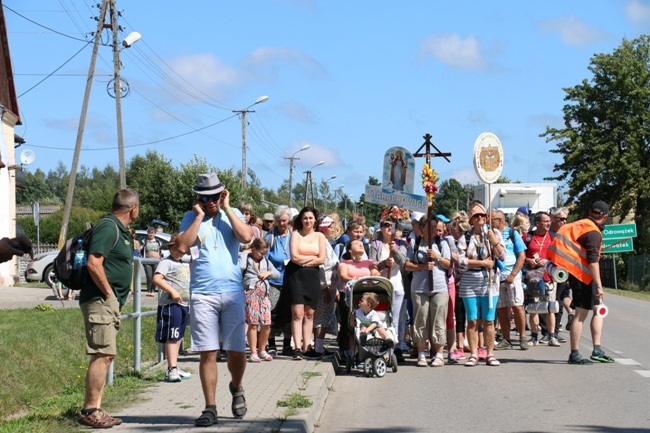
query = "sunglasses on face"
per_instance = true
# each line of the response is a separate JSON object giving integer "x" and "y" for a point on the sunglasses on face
{"x": 387, "y": 225}
{"x": 561, "y": 219}
{"x": 479, "y": 215}
{"x": 207, "y": 198}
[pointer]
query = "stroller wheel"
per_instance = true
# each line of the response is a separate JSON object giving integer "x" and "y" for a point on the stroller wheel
{"x": 379, "y": 367}
{"x": 393, "y": 362}
{"x": 367, "y": 367}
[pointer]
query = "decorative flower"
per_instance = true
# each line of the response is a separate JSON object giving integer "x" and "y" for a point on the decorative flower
{"x": 395, "y": 214}
{"x": 429, "y": 179}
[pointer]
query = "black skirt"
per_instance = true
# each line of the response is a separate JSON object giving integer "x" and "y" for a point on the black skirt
{"x": 301, "y": 286}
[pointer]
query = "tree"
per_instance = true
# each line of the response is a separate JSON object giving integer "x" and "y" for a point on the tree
{"x": 36, "y": 189}
{"x": 372, "y": 211}
{"x": 452, "y": 197}
{"x": 605, "y": 141}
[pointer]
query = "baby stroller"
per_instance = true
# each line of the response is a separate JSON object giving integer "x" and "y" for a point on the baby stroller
{"x": 375, "y": 354}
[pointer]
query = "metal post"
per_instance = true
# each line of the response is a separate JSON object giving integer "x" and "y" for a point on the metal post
{"x": 137, "y": 308}
{"x": 614, "y": 264}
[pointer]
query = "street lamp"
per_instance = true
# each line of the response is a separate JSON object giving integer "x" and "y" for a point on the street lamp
{"x": 325, "y": 192}
{"x": 243, "y": 112}
{"x": 309, "y": 185}
{"x": 291, "y": 159}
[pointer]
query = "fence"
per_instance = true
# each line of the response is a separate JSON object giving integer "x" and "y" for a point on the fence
{"x": 638, "y": 270}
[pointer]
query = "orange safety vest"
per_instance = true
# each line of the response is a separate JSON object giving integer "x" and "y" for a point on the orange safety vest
{"x": 566, "y": 252}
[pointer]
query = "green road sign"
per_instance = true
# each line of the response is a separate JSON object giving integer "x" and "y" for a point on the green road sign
{"x": 615, "y": 246}
{"x": 619, "y": 231}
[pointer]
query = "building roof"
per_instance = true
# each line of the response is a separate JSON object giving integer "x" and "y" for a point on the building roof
{"x": 7, "y": 85}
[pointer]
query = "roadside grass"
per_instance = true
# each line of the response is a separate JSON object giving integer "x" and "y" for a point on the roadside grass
{"x": 43, "y": 367}
{"x": 641, "y": 295}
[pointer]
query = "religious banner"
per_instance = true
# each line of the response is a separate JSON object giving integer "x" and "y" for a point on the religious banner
{"x": 397, "y": 182}
{"x": 488, "y": 157}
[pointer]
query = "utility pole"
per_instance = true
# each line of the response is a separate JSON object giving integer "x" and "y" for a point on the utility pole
{"x": 80, "y": 131}
{"x": 243, "y": 146}
{"x": 243, "y": 112}
{"x": 291, "y": 159}
{"x": 117, "y": 87}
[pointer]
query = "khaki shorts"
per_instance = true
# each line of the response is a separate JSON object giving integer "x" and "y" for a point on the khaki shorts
{"x": 102, "y": 321}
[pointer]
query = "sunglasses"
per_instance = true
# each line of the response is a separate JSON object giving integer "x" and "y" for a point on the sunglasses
{"x": 207, "y": 198}
{"x": 561, "y": 219}
{"x": 479, "y": 215}
{"x": 387, "y": 224}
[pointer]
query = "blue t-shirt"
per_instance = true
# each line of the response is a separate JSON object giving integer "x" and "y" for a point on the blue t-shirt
{"x": 216, "y": 270}
{"x": 512, "y": 250}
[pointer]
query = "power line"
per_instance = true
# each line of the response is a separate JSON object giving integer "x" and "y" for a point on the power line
{"x": 142, "y": 144}
{"x": 47, "y": 28}
{"x": 49, "y": 75}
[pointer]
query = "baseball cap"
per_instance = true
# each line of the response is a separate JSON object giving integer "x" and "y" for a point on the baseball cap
{"x": 443, "y": 218}
{"x": 523, "y": 210}
{"x": 601, "y": 207}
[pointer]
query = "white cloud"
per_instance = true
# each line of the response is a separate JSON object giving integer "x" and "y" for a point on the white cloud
{"x": 573, "y": 31}
{"x": 265, "y": 63}
{"x": 637, "y": 11}
{"x": 316, "y": 153}
{"x": 206, "y": 73}
{"x": 454, "y": 50}
{"x": 297, "y": 111}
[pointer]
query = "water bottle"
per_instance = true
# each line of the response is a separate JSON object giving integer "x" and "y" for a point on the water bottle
{"x": 79, "y": 257}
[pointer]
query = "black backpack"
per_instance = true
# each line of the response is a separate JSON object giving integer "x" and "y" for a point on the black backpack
{"x": 63, "y": 264}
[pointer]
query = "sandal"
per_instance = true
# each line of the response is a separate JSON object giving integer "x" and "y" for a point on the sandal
{"x": 492, "y": 361}
{"x": 238, "y": 405}
{"x": 472, "y": 361}
{"x": 266, "y": 356}
{"x": 207, "y": 418}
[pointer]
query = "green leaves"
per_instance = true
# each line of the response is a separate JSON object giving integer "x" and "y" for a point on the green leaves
{"x": 604, "y": 143}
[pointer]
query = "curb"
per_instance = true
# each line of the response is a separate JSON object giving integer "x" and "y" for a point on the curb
{"x": 317, "y": 389}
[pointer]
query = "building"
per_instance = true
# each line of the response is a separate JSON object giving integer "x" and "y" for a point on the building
{"x": 510, "y": 196}
{"x": 10, "y": 118}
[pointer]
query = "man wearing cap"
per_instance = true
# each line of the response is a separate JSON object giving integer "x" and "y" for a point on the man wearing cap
{"x": 577, "y": 248}
{"x": 213, "y": 231}
{"x": 267, "y": 223}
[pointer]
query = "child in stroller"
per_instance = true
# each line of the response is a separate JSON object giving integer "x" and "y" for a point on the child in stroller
{"x": 374, "y": 336}
{"x": 369, "y": 319}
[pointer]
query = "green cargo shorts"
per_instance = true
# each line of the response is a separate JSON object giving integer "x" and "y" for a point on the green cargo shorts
{"x": 102, "y": 321}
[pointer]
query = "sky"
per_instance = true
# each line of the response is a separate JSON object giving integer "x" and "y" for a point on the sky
{"x": 349, "y": 79}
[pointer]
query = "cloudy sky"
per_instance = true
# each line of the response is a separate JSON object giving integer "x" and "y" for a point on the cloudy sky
{"x": 351, "y": 79}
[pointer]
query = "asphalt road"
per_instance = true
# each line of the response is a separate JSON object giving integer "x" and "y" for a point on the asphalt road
{"x": 532, "y": 391}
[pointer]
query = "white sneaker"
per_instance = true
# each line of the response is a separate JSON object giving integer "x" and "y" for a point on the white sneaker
{"x": 172, "y": 375}
{"x": 184, "y": 375}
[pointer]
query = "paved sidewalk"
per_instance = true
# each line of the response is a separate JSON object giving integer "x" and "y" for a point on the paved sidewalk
{"x": 173, "y": 407}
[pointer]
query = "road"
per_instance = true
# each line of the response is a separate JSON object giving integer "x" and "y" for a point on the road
{"x": 532, "y": 391}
